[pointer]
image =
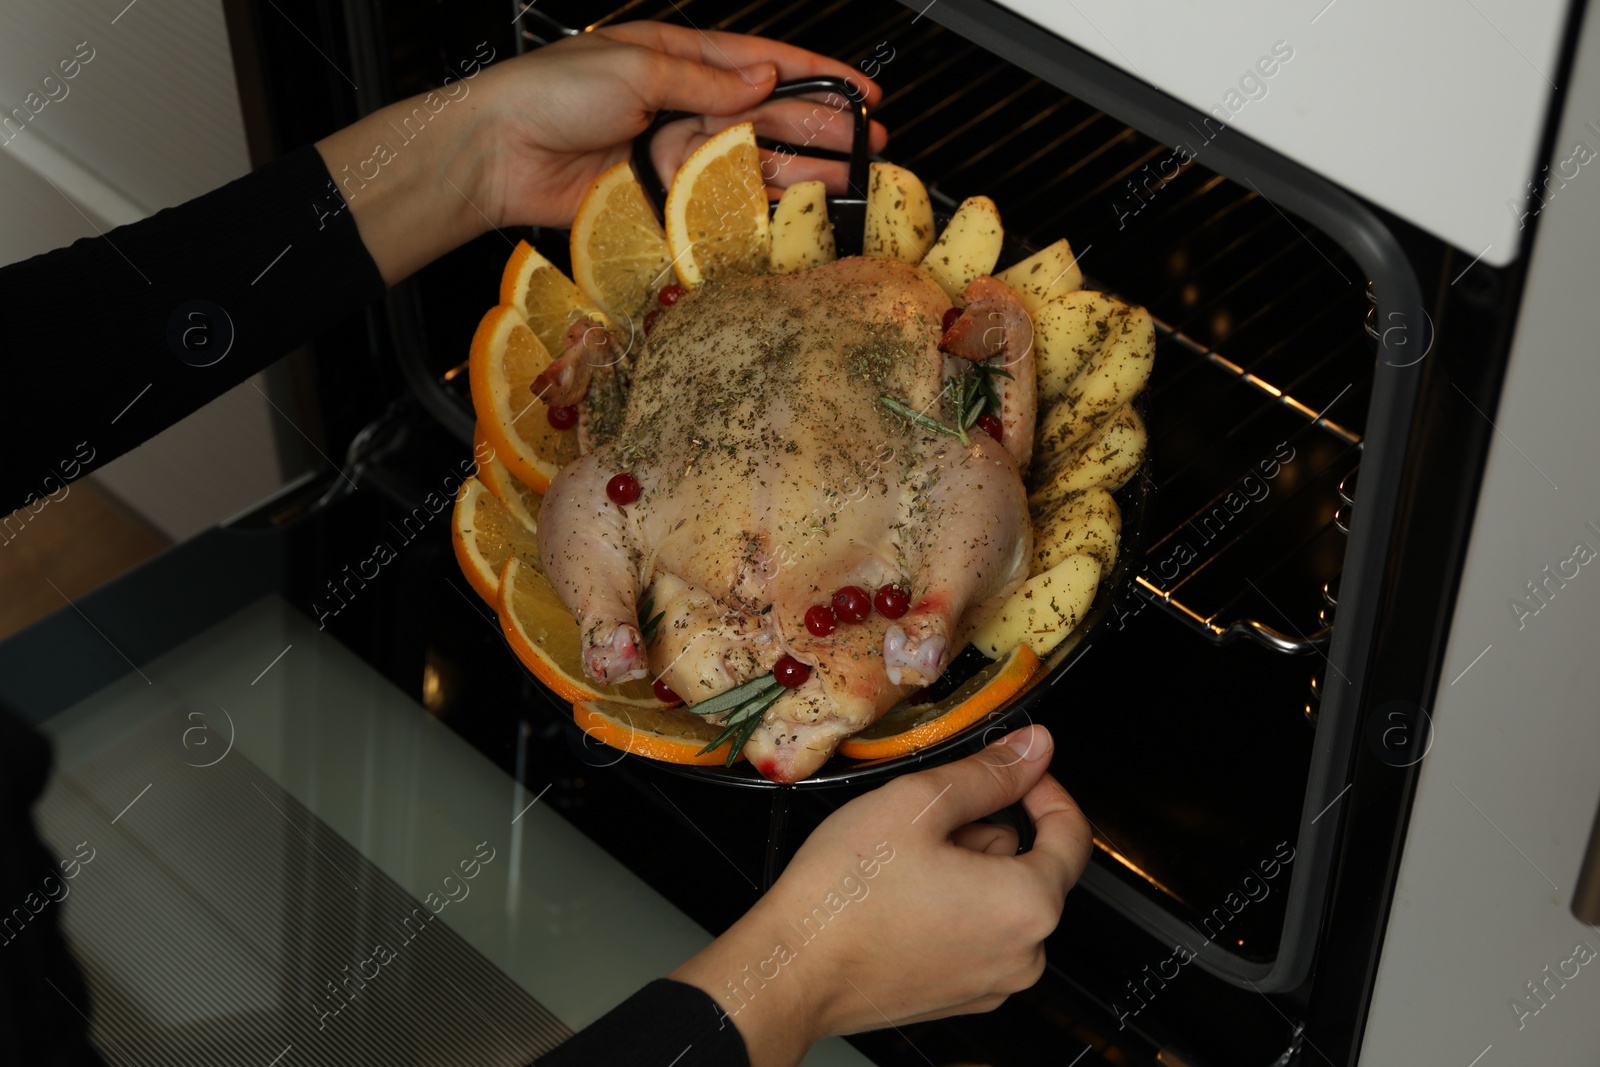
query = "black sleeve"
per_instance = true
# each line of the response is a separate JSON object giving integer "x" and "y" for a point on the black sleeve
{"x": 101, "y": 343}
{"x": 664, "y": 1023}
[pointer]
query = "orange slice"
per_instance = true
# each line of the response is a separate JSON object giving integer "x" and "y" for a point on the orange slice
{"x": 717, "y": 215}
{"x": 507, "y": 488}
{"x": 619, "y": 254}
{"x": 506, "y": 358}
{"x": 548, "y": 299}
{"x": 669, "y": 734}
{"x": 544, "y": 636}
{"x": 910, "y": 727}
{"x": 485, "y": 535}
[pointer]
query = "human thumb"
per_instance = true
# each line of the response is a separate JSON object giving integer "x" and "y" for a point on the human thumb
{"x": 997, "y": 777}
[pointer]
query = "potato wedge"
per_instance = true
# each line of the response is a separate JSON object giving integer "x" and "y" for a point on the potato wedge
{"x": 1087, "y": 524}
{"x": 1068, "y": 332}
{"x": 899, "y": 215}
{"x": 1117, "y": 371}
{"x": 1044, "y": 611}
{"x": 968, "y": 247}
{"x": 1048, "y": 273}
{"x": 1106, "y": 459}
{"x": 802, "y": 236}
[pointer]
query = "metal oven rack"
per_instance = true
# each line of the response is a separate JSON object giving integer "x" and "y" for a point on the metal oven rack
{"x": 1205, "y": 546}
{"x": 1231, "y": 552}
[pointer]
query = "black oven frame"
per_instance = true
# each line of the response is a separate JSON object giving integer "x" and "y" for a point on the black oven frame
{"x": 1398, "y": 305}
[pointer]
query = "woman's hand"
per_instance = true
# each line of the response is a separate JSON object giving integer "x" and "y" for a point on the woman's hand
{"x": 526, "y": 140}
{"x": 901, "y": 909}
{"x": 573, "y": 109}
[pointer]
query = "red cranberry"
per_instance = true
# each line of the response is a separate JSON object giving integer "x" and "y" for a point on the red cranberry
{"x": 991, "y": 425}
{"x": 790, "y": 672}
{"x": 949, "y": 320}
{"x": 670, "y": 295}
{"x": 563, "y": 418}
{"x": 664, "y": 692}
{"x": 852, "y": 604}
{"x": 650, "y": 318}
{"x": 623, "y": 489}
{"x": 892, "y": 601}
{"x": 821, "y": 620}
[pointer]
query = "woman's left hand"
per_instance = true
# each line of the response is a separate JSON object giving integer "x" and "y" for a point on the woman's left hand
{"x": 527, "y": 139}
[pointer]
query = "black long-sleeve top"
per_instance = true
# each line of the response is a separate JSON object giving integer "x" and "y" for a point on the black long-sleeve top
{"x": 107, "y": 343}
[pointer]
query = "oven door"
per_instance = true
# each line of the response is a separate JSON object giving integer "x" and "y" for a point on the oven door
{"x": 1248, "y": 796}
{"x": 278, "y": 855}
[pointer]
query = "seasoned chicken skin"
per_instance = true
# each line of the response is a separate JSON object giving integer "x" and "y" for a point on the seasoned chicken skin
{"x": 772, "y": 474}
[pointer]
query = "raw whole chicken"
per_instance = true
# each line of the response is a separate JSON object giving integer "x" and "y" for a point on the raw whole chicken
{"x": 771, "y": 473}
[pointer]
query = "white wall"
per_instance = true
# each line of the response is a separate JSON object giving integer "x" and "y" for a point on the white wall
{"x": 1507, "y": 791}
{"x": 151, "y": 120}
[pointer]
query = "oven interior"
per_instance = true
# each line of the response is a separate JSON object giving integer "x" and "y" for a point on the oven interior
{"x": 1189, "y": 732}
{"x": 1256, "y": 412}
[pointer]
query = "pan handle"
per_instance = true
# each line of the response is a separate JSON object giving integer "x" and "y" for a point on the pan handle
{"x": 1016, "y": 817}
{"x": 644, "y": 169}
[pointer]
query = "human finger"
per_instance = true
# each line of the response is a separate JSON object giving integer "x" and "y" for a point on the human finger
{"x": 800, "y": 123}
{"x": 779, "y": 169}
{"x": 967, "y": 790}
{"x": 782, "y": 171}
{"x": 732, "y": 50}
{"x": 1062, "y": 836}
{"x": 990, "y": 838}
{"x": 806, "y": 123}
{"x": 671, "y": 83}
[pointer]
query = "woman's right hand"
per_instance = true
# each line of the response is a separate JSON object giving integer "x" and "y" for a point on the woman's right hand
{"x": 900, "y": 908}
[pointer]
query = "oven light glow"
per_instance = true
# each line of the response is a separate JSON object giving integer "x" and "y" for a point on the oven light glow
{"x": 1136, "y": 869}
{"x": 432, "y": 689}
{"x": 1266, "y": 387}
{"x": 437, "y": 687}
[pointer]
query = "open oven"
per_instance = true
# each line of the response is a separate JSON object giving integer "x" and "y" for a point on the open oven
{"x": 1246, "y": 732}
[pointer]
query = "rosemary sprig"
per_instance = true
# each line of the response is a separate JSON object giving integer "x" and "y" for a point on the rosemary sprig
{"x": 649, "y": 625}
{"x": 971, "y": 395}
{"x": 907, "y": 412}
{"x": 985, "y": 374}
{"x": 732, "y": 698}
{"x": 752, "y": 723}
{"x": 749, "y": 703}
{"x": 743, "y": 723}
{"x": 961, "y": 390}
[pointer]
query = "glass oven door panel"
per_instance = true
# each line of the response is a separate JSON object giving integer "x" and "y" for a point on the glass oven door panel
{"x": 264, "y": 811}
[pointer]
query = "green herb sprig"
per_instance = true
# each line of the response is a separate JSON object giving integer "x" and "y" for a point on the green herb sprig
{"x": 965, "y": 402}
{"x": 985, "y": 374}
{"x": 971, "y": 396}
{"x": 905, "y": 411}
{"x": 745, "y": 704}
{"x": 649, "y": 625}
